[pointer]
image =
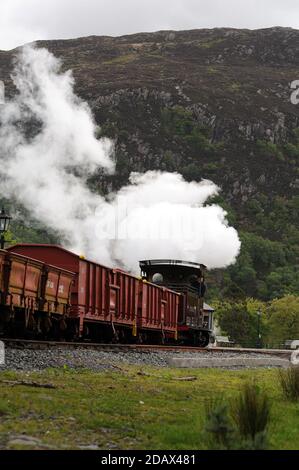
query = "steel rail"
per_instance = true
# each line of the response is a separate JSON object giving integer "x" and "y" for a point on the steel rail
{"x": 36, "y": 344}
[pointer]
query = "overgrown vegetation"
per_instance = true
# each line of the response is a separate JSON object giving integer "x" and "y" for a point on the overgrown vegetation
{"x": 289, "y": 381}
{"x": 218, "y": 425}
{"x": 251, "y": 411}
{"x": 241, "y": 423}
{"x": 178, "y": 122}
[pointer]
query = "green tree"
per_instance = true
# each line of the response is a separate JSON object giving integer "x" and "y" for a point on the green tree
{"x": 181, "y": 123}
{"x": 283, "y": 281}
{"x": 239, "y": 320}
{"x": 283, "y": 319}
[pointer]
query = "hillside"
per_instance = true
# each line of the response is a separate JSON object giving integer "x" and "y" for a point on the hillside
{"x": 210, "y": 104}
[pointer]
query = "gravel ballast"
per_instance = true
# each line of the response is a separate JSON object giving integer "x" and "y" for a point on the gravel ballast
{"x": 97, "y": 360}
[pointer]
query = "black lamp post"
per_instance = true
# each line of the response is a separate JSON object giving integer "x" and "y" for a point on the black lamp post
{"x": 259, "y": 336}
{"x": 4, "y": 225}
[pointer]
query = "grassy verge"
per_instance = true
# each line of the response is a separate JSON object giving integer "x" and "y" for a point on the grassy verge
{"x": 128, "y": 409}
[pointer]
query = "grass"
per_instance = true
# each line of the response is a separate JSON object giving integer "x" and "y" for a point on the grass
{"x": 120, "y": 60}
{"x": 208, "y": 43}
{"x": 130, "y": 408}
{"x": 289, "y": 381}
{"x": 235, "y": 86}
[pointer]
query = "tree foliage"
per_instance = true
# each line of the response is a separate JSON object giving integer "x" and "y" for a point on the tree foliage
{"x": 283, "y": 319}
{"x": 278, "y": 320}
{"x": 239, "y": 321}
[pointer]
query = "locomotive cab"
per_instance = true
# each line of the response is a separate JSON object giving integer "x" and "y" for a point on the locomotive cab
{"x": 187, "y": 278}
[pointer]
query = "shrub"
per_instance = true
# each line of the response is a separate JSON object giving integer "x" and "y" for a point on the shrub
{"x": 218, "y": 424}
{"x": 251, "y": 411}
{"x": 289, "y": 381}
{"x": 259, "y": 442}
{"x": 269, "y": 149}
{"x": 240, "y": 425}
{"x": 292, "y": 150}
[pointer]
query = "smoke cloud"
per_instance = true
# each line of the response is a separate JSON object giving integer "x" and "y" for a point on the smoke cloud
{"x": 48, "y": 150}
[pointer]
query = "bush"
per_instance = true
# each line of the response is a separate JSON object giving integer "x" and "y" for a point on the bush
{"x": 289, "y": 381}
{"x": 292, "y": 150}
{"x": 240, "y": 425}
{"x": 251, "y": 411}
{"x": 269, "y": 149}
{"x": 180, "y": 122}
{"x": 218, "y": 424}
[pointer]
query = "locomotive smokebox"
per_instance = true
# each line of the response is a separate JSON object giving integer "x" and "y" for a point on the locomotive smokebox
{"x": 177, "y": 275}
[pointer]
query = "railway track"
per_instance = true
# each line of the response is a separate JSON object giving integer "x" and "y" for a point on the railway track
{"x": 42, "y": 345}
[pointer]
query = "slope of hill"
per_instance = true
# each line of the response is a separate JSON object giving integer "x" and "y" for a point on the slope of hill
{"x": 210, "y": 104}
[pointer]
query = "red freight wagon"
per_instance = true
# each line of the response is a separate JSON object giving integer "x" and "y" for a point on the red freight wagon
{"x": 3, "y": 286}
{"x": 56, "y": 292}
{"x": 159, "y": 308}
{"x": 33, "y": 284}
{"x": 20, "y": 290}
{"x": 24, "y": 282}
{"x": 95, "y": 297}
{"x": 32, "y": 293}
{"x": 128, "y": 298}
{"x": 151, "y": 309}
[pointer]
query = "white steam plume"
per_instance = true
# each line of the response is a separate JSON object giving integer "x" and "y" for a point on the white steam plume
{"x": 158, "y": 215}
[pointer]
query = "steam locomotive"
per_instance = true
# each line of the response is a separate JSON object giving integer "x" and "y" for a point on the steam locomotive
{"x": 49, "y": 292}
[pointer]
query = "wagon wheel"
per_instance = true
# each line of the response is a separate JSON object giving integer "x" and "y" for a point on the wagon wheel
{"x": 203, "y": 339}
{"x": 141, "y": 338}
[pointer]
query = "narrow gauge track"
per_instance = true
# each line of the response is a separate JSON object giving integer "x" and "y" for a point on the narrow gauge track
{"x": 40, "y": 345}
